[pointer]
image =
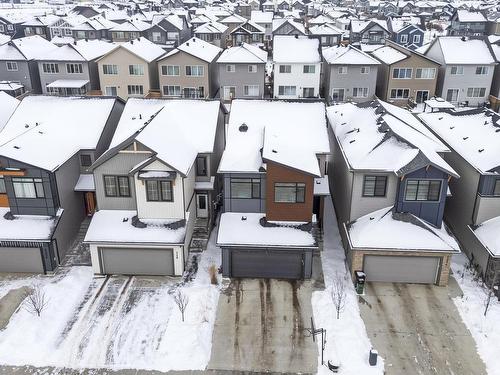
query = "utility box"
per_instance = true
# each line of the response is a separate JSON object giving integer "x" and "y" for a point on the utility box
{"x": 373, "y": 357}
{"x": 360, "y": 281}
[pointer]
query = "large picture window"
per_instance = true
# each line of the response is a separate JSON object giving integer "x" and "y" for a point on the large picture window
{"x": 423, "y": 190}
{"x": 402, "y": 73}
{"x": 116, "y": 186}
{"x": 28, "y": 187}
{"x": 374, "y": 186}
{"x": 245, "y": 188}
{"x": 289, "y": 192}
{"x": 159, "y": 191}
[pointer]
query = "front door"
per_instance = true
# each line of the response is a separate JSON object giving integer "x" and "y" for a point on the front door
{"x": 422, "y": 96}
{"x": 202, "y": 205}
{"x": 89, "y": 203}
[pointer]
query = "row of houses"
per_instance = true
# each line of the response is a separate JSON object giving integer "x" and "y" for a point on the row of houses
{"x": 409, "y": 191}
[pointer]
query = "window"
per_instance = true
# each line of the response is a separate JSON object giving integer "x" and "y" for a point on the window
{"x": 400, "y": 93}
{"x": 452, "y": 95}
{"x": 230, "y": 68}
{"x": 172, "y": 90}
{"x": 338, "y": 95}
{"x": 252, "y": 68}
{"x": 416, "y": 39}
{"x": 403, "y": 39}
{"x": 110, "y": 69}
{"x": 2, "y": 185}
{"x": 309, "y": 69}
{"x": 286, "y": 90}
{"x": 496, "y": 189}
{"x": 12, "y": 66}
{"x": 28, "y": 187}
{"x": 342, "y": 69}
{"x": 360, "y": 92}
{"x": 50, "y": 68}
{"x": 229, "y": 92}
{"x": 425, "y": 73}
{"x": 401, "y": 73}
{"x": 135, "y": 90}
{"x": 285, "y": 68}
{"x": 110, "y": 91}
{"x": 74, "y": 68}
{"x": 136, "y": 70}
{"x": 374, "y": 186}
{"x": 245, "y": 188}
{"x": 422, "y": 190}
{"x": 251, "y": 90}
{"x": 85, "y": 160}
{"x": 159, "y": 190}
{"x": 289, "y": 192}
{"x": 195, "y": 70}
{"x": 156, "y": 36}
{"x": 10, "y": 27}
{"x": 116, "y": 186}
{"x": 482, "y": 70}
{"x": 201, "y": 166}
{"x": 457, "y": 70}
{"x": 476, "y": 92}
{"x": 170, "y": 70}
{"x": 192, "y": 92}
{"x": 365, "y": 70}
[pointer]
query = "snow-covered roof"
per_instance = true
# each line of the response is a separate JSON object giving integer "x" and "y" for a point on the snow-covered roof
{"x": 278, "y": 22}
{"x": 4, "y": 39}
{"x": 63, "y": 53}
{"x": 325, "y": 29}
{"x": 389, "y": 55}
{"x": 384, "y": 229}
{"x": 296, "y": 131}
{"x": 116, "y": 226}
{"x": 142, "y": 48}
{"x": 347, "y": 55}
{"x": 92, "y": 49}
{"x": 489, "y": 235}
{"x": 8, "y": 105}
{"x": 379, "y": 136}
{"x": 133, "y": 25}
{"x": 27, "y": 48}
{"x": 464, "y": 15}
{"x": 233, "y": 18}
{"x": 321, "y": 185}
{"x": 473, "y": 134}
{"x": 233, "y": 230}
{"x": 85, "y": 183}
{"x": 198, "y": 48}
{"x": 45, "y": 131}
{"x": 291, "y": 49}
{"x": 258, "y": 16}
{"x": 26, "y": 227}
{"x": 246, "y": 53}
{"x": 68, "y": 83}
{"x": 211, "y": 28}
{"x": 453, "y": 48}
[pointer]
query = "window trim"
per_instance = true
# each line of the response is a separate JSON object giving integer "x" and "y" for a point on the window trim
{"x": 160, "y": 191}
{"x": 400, "y": 69}
{"x": 89, "y": 158}
{"x": 204, "y": 164}
{"x": 296, "y": 192}
{"x": 364, "y": 195}
{"x": 12, "y": 63}
{"x": 117, "y": 182}
{"x": 166, "y": 73}
{"x": 285, "y": 70}
{"x": 399, "y": 98}
{"x": 438, "y": 200}
{"x": 34, "y": 182}
{"x": 253, "y": 180}
{"x": 132, "y": 71}
{"x": 457, "y": 68}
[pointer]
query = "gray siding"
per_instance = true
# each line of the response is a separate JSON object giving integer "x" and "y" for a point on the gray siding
{"x": 360, "y": 205}
{"x": 244, "y": 205}
{"x": 352, "y": 79}
{"x": 22, "y": 75}
{"x": 240, "y": 78}
{"x": 47, "y": 78}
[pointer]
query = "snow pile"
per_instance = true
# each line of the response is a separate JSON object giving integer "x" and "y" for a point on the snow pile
{"x": 347, "y": 341}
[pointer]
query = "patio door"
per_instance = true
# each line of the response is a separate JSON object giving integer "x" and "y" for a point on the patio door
{"x": 452, "y": 95}
{"x": 422, "y": 96}
{"x": 202, "y": 205}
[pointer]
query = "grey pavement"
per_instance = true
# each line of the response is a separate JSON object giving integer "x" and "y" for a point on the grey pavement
{"x": 418, "y": 330}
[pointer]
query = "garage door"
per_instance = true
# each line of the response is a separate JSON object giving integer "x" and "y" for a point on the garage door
{"x": 402, "y": 269}
{"x": 21, "y": 259}
{"x": 137, "y": 261}
{"x": 267, "y": 264}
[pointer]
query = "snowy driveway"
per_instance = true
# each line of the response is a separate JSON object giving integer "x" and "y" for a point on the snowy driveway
{"x": 418, "y": 329}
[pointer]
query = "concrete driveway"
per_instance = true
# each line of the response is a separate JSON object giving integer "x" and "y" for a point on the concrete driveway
{"x": 260, "y": 326}
{"x": 418, "y": 330}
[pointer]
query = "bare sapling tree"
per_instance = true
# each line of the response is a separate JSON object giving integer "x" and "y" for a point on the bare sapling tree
{"x": 35, "y": 301}
{"x": 181, "y": 300}
{"x": 490, "y": 291}
{"x": 339, "y": 294}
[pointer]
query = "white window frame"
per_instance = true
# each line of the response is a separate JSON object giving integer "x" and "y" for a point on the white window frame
{"x": 110, "y": 69}
{"x": 176, "y": 93}
{"x": 136, "y": 91}
{"x": 474, "y": 90}
{"x": 74, "y": 68}
{"x": 399, "y": 73}
{"x": 455, "y": 90}
{"x": 230, "y": 68}
{"x": 246, "y": 90}
{"x": 287, "y": 69}
{"x": 135, "y": 70}
{"x": 399, "y": 97}
{"x": 356, "y": 90}
{"x": 416, "y": 38}
{"x": 342, "y": 69}
{"x": 428, "y": 70}
{"x": 403, "y": 38}
{"x": 195, "y": 69}
{"x": 459, "y": 70}
{"x": 483, "y": 70}
{"x": 110, "y": 88}
{"x": 365, "y": 70}
{"x": 252, "y": 68}
{"x": 13, "y": 66}
{"x": 285, "y": 93}
{"x": 50, "y": 68}
{"x": 170, "y": 70}
{"x": 308, "y": 68}
{"x": 338, "y": 90}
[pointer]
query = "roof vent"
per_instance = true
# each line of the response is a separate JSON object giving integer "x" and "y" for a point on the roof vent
{"x": 481, "y": 150}
{"x": 464, "y": 39}
{"x": 131, "y": 42}
{"x": 187, "y": 44}
{"x": 486, "y": 122}
{"x": 243, "y": 218}
{"x": 497, "y": 131}
{"x": 17, "y": 147}
{"x": 140, "y": 116}
{"x": 26, "y": 126}
{"x": 352, "y": 141}
{"x": 452, "y": 127}
{"x": 40, "y": 132}
{"x": 243, "y": 128}
{"x": 440, "y": 118}
{"x": 296, "y": 37}
{"x": 274, "y": 151}
{"x": 465, "y": 138}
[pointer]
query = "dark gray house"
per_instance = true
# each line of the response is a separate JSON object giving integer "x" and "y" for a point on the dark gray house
{"x": 406, "y": 34}
{"x": 45, "y": 193}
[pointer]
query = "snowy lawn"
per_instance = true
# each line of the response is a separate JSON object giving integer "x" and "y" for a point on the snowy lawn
{"x": 484, "y": 329}
{"x": 117, "y": 323}
{"x": 347, "y": 340}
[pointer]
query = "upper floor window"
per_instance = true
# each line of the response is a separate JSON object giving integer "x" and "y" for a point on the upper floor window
{"x": 425, "y": 73}
{"x": 116, "y": 186}
{"x": 402, "y": 73}
{"x": 230, "y": 68}
{"x": 457, "y": 70}
{"x": 201, "y": 166}
{"x": 423, "y": 190}
{"x": 74, "y": 68}
{"x": 245, "y": 188}
{"x": 309, "y": 69}
{"x": 28, "y": 187}
{"x": 50, "y": 68}
{"x": 110, "y": 69}
{"x": 159, "y": 191}
{"x": 289, "y": 192}
{"x": 496, "y": 189}
{"x": 12, "y": 66}
{"x": 365, "y": 70}
{"x": 482, "y": 70}
{"x": 136, "y": 70}
{"x": 170, "y": 70}
{"x": 374, "y": 186}
{"x": 252, "y": 68}
{"x": 285, "y": 68}
{"x": 156, "y": 36}
{"x": 85, "y": 160}
{"x": 3, "y": 190}
{"x": 195, "y": 70}
{"x": 403, "y": 38}
{"x": 342, "y": 70}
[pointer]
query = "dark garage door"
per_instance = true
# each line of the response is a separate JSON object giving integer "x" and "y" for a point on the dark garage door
{"x": 21, "y": 259}
{"x": 401, "y": 269}
{"x": 279, "y": 264}
{"x": 137, "y": 261}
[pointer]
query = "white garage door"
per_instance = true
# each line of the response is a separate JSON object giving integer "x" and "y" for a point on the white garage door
{"x": 21, "y": 259}
{"x": 137, "y": 261}
{"x": 401, "y": 269}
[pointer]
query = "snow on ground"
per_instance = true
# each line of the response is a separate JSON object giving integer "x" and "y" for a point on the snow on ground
{"x": 471, "y": 306}
{"x": 116, "y": 323}
{"x": 347, "y": 341}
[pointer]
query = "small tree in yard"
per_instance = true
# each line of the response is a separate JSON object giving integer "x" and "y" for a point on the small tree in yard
{"x": 490, "y": 292}
{"x": 339, "y": 294}
{"x": 181, "y": 300}
{"x": 35, "y": 301}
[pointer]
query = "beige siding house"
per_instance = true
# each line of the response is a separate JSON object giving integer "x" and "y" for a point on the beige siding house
{"x": 130, "y": 70}
{"x": 189, "y": 71}
{"x": 405, "y": 74}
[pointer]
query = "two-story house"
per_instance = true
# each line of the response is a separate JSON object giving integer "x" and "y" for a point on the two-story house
{"x": 287, "y": 26}
{"x": 130, "y": 69}
{"x": 473, "y": 209}
{"x": 368, "y": 32}
{"x": 46, "y": 147}
{"x": 153, "y": 184}
{"x": 297, "y": 67}
{"x": 468, "y": 23}
{"x": 212, "y": 32}
{"x": 39, "y": 25}
{"x": 265, "y": 20}
{"x": 494, "y": 41}
{"x": 129, "y": 30}
{"x": 274, "y": 158}
{"x": 390, "y": 185}
{"x": 405, "y": 33}
{"x": 173, "y": 30}
{"x": 189, "y": 71}
{"x": 241, "y": 72}
{"x": 405, "y": 74}
{"x": 349, "y": 74}
{"x": 248, "y": 32}
{"x": 93, "y": 28}
{"x": 463, "y": 77}
{"x": 328, "y": 34}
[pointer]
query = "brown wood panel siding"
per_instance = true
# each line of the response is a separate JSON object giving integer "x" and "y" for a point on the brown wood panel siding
{"x": 288, "y": 211}
{"x": 4, "y": 200}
